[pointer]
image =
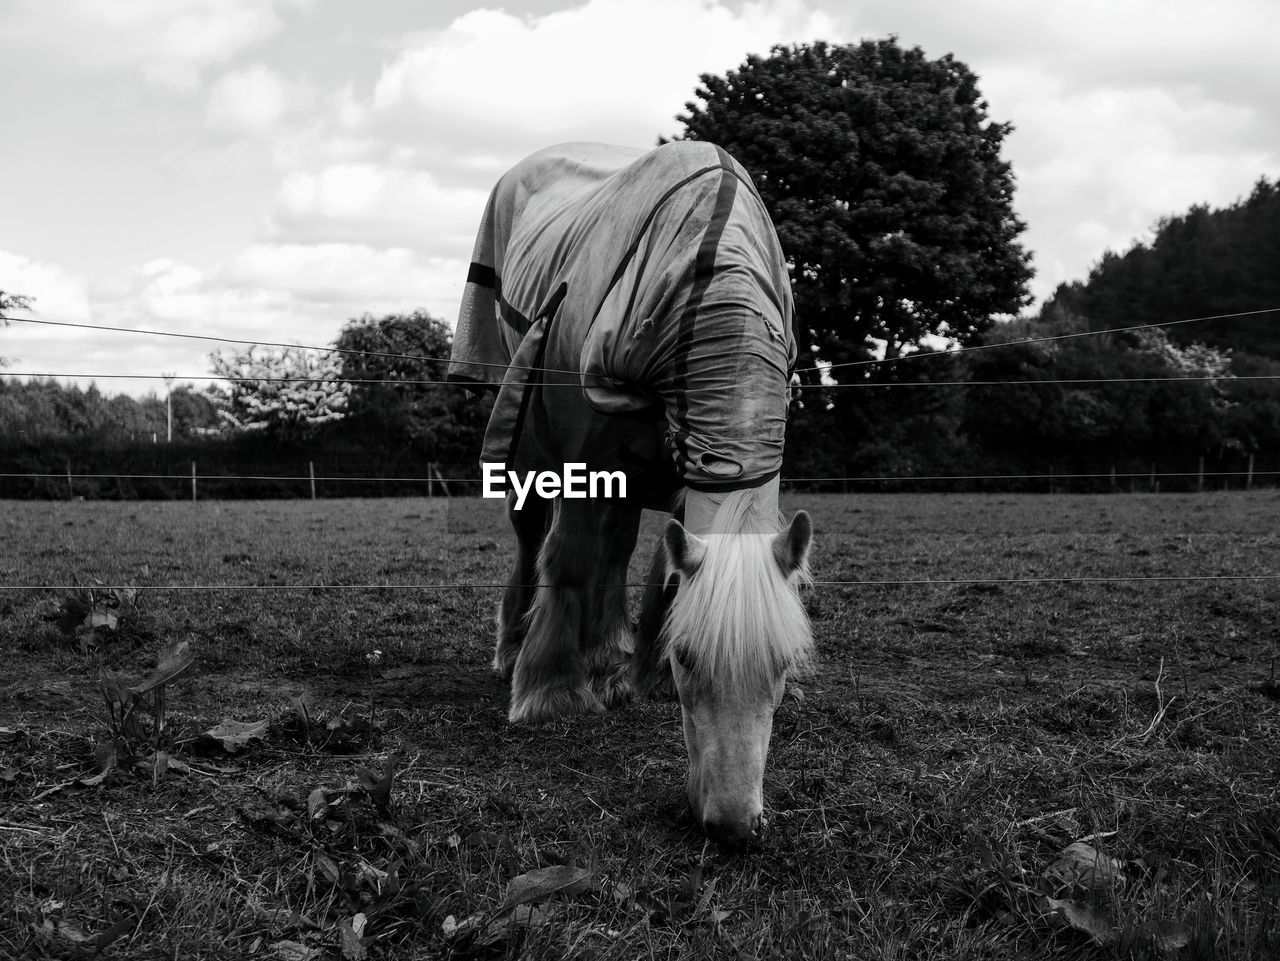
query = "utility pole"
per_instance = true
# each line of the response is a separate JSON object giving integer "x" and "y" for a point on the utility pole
{"x": 168, "y": 404}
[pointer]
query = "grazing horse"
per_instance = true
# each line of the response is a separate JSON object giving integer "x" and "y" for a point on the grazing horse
{"x": 633, "y": 312}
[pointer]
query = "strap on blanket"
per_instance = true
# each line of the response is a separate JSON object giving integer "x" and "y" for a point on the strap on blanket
{"x": 533, "y": 377}
{"x": 717, "y": 487}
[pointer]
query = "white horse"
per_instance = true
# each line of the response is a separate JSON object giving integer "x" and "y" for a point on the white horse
{"x": 633, "y": 311}
{"x": 733, "y": 631}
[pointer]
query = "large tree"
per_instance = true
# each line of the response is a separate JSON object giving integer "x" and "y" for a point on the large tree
{"x": 1201, "y": 263}
{"x": 396, "y": 366}
{"x": 884, "y": 178}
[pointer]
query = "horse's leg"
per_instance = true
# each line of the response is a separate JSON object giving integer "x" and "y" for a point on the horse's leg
{"x": 550, "y": 677}
{"x": 530, "y": 525}
{"x": 652, "y": 673}
{"x": 608, "y": 641}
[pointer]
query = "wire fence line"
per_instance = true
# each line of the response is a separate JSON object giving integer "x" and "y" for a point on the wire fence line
{"x": 817, "y": 368}
{"x": 495, "y": 585}
{"x": 851, "y": 479}
{"x": 1047, "y": 382}
{"x": 923, "y": 582}
{"x": 252, "y": 343}
{"x": 1047, "y": 339}
{"x": 577, "y": 382}
{"x": 1112, "y": 476}
{"x": 315, "y": 485}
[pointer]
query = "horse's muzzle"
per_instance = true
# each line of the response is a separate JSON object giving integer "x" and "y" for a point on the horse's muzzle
{"x": 732, "y": 834}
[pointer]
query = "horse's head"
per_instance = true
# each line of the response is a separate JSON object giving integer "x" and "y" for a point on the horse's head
{"x": 734, "y": 630}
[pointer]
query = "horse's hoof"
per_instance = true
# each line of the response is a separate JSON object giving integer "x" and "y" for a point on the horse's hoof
{"x": 532, "y": 707}
{"x": 613, "y": 689}
{"x": 504, "y": 660}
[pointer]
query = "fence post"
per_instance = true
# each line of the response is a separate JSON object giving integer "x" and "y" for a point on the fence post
{"x": 193, "y": 482}
{"x": 311, "y": 466}
{"x": 1248, "y": 480}
{"x": 71, "y": 494}
{"x": 1200, "y": 478}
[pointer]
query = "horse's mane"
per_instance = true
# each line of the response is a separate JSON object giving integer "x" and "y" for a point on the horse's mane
{"x": 738, "y": 621}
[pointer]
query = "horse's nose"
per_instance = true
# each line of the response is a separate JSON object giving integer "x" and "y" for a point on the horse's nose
{"x": 732, "y": 833}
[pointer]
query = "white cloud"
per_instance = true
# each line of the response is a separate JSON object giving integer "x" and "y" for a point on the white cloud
{"x": 1179, "y": 46}
{"x": 171, "y": 297}
{"x": 156, "y": 297}
{"x": 381, "y": 205}
{"x": 1097, "y": 165}
{"x": 255, "y": 101}
{"x": 367, "y": 181}
{"x": 1120, "y": 119}
{"x": 287, "y": 293}
{"x": 56, "y": 293}
{"x": 1124, "y": 113}
{"x": 351, "y": 278}
{"x": 171, "y": 41}
{"x": 609, "y": 70}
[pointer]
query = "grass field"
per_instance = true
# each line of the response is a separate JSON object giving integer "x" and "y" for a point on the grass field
{"x": 924, "y": 783}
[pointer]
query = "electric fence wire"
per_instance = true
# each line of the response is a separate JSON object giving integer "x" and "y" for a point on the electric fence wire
{"x": 822, "y": 369}
{"x": 858, "y": 582}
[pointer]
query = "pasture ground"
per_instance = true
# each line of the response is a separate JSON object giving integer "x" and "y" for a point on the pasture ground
{"x": 922, "y": 788}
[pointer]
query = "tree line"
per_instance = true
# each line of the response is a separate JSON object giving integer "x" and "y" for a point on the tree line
{"x": 894, "y": 207}
{"x": 1039, "y": 395}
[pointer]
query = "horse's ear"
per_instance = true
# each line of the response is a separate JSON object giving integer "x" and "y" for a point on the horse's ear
{"x": 685, "y": 551}
{"x": 791, "y": 547}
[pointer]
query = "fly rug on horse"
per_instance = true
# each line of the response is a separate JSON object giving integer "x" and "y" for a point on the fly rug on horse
{"x": 633, "y": 312}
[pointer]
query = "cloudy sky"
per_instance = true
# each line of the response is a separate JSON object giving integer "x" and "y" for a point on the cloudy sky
{"x": 267, "y": 169}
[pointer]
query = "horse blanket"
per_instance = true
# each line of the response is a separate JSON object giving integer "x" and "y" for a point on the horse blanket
{"x": 633, "y": 311}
